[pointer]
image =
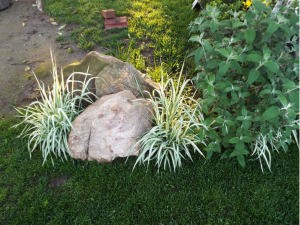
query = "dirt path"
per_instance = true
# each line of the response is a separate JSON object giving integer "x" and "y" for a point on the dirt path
{"x": 26, "y": 36}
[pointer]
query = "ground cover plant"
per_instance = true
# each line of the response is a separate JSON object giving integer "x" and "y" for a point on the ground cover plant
{"x": 48, "y": 120}
{"x": 214, "y": 192}
{"x": 248, "y": 75}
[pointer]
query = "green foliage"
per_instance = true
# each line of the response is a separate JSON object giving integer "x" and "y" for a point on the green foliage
{"x": 48, "y": 121}
{"x": 177, "y": 120}
{"x": 248, "y": 78}
{"x": 224, "y": 6}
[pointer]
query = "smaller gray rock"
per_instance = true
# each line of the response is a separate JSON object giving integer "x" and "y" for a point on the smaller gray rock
{"x": 119, "y": 76}
{"x": 112, "y": 75}
{"x": 110, "y": 127}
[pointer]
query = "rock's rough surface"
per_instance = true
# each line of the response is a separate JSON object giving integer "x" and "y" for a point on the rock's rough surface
{"x": 121, "y": 76}
{"x": 110, "y": 127}
{"x": 112, "y": 75}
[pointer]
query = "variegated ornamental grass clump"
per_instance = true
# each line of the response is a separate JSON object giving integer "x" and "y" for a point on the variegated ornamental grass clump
{"x": 248, "y": 75}
{"x": 177, "y": 123}
{"x": 48, "y": 121}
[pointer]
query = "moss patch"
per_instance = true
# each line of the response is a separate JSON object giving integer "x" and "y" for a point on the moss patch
{"x": 89, "y": 64}
{"x": 43, "y": 69}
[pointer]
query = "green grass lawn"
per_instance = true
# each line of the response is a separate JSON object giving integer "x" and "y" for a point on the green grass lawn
{"x": 158, "y": 30}
{"x": 203, "y": 192}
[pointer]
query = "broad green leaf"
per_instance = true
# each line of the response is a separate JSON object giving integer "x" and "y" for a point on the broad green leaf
{"x": 211, "y": 78}
{"x": 237, "y": 24}
{"x": 271, "y": 113}
{"x": 211, "y": 64}
{"x": 192, "y": 54}
{"x": 289, "y": 85}
{"x": 240, "y": 147}
{"x": 224, "y": 130}
{"x": 272, "y": 66}
{"x": 273, "y": 26}
{"x": 197, "y": 38}
{"x": 247, "y": 139}
{"x": 234, "y": 140}
{"x": 228, "y": 89}
{"x": 207, "y": 46}
{"x": 265, "y": 92}
{"x": 236, "y": 66}
{"x": 223, "y": 68}
{"x": 234, "y": 98}
{"x": 257, "y": 119}
{"x": 266, "y": 52}
{"x": 225, "y": 154}
{"x": 209, "y": 154}
{"x": 240, "y": 118}
{"x": 259, "y": 6}
{"x": 282, "y": 99}
{"x": 241, "y": 160}
{"x": 213, "y": 26}
{"x": 250, "y": 35}
{"x": 253, "y": 75}
{"x": 294, "y": 99}
{"x": 223, "y": 52}
{"x": 254, "y": 57}
{"x": 246, "y": 124}
{"x": 198, "y": 55}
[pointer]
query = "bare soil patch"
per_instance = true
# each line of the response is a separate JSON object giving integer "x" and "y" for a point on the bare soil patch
{"x": 26, "y": 36}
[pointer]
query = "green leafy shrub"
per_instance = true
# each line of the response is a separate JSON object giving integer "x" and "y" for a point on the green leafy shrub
{"x": 176, "y": 118}
{"x": 48, "y": 121}
{"x": 248, "y": 75}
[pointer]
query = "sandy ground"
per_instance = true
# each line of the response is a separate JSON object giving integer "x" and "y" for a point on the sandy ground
{"x": 26, "y": 36}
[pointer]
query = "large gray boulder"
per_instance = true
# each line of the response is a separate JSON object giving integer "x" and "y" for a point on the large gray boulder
{"x": 110, "y": 127}
{"x": 111, "y": 75}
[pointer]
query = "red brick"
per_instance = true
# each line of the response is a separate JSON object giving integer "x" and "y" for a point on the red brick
{"x": 118, "y": 22}
{"x": 108, "y": 13}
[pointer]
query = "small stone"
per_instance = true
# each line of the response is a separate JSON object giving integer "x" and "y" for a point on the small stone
{"x": 113, "y": 75}
{"x": 54, "y": 23}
